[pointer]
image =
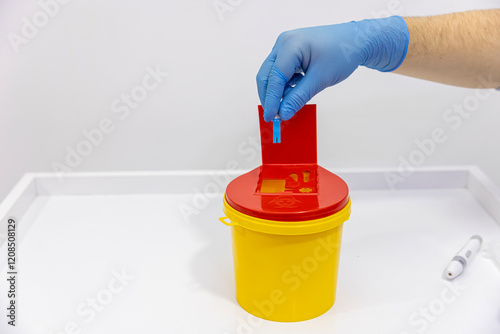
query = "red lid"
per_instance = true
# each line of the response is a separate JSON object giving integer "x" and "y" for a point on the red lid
{"x": 289, "y": 186}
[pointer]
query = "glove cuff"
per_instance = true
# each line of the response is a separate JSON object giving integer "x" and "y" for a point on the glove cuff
{"x": 386, "y": 42}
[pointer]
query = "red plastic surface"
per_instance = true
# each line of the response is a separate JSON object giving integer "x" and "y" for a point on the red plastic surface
{"x": 289, "y": 186}
{"x": 298, "y": 139}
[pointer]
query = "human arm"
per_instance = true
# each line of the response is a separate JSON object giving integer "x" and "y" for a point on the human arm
{"x": 460, "y": 49}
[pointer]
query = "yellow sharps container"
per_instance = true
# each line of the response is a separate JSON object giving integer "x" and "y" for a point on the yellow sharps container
{"x": 286, "y": 220}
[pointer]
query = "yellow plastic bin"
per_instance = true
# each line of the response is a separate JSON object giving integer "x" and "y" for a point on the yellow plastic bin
{"x": 285, "y": 277}
{"x": 286, "y": 224}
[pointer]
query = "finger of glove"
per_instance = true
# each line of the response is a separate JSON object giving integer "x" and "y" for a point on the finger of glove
{"x": 262, "y": 77}
{"x": 298, "y": 96}
{"x": 281, "y": 72}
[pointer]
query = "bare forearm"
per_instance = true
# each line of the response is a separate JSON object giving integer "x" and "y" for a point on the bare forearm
{"x": 460, "y": 49}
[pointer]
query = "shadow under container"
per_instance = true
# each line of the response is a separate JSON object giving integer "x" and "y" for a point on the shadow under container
{"x": 286, "y": 224}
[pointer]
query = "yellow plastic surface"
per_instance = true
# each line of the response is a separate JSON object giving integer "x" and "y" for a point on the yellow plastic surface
{"x": 286, "y": 277}
{"x": 272, "y": 186}
{"x": 286, "y": 227}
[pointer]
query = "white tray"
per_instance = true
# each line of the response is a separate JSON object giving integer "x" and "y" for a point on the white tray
{"x": 76, "y": 235}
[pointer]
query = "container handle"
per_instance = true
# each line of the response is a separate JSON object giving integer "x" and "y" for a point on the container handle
{"x": 223, "y": 220}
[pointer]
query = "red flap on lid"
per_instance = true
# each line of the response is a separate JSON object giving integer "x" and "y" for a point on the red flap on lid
{"x": 289, "y": 186}
{"x": 298, "y": 139}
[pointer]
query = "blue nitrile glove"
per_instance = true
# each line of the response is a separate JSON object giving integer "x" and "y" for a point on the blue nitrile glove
{"x": 326, "y": 55}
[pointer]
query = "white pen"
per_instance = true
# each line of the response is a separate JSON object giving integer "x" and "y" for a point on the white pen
{"x": 459, "y": 261}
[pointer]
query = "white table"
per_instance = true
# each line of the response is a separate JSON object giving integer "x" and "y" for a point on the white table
{"x": 112, "y": 253}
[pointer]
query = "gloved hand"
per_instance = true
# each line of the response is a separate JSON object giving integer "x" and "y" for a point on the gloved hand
{"x": 305, "y": 61}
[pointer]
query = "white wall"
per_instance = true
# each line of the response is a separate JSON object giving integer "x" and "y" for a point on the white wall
{"x": 65, "y": 78}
